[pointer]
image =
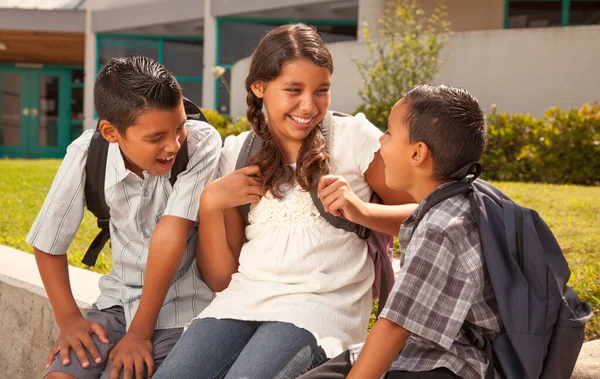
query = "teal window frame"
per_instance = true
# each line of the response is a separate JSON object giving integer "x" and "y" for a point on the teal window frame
{"x": 160, "y": 39}
{"x": 271, "y": 21}
{"x": 565, "y": 10}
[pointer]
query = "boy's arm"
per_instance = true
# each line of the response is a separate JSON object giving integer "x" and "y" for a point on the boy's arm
{"x": 75, "y": 330}
{"x": 167, "y": 246}
{"x": 431, "y": 274}
{"x": 338, "y": 198}
{"x": 382, "y": 346}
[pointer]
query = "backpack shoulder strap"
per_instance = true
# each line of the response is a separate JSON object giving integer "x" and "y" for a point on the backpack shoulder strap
{"x": 252, "y": 145}
{"x": 192, "y": 112}
{"x": 181, "y": 161}
{"x": 95, "y": 172}
{"x": 338, "y": 222}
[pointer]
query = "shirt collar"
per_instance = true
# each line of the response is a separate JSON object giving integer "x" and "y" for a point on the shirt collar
{"x": 115, "y": 166}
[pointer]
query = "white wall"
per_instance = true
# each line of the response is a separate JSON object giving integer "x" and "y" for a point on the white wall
{"x": 519, "y": 70}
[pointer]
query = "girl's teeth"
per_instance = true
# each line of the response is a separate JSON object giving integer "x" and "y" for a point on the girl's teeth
{"x": 301, "y": 120}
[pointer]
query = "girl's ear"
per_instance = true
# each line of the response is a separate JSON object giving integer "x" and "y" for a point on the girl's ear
{"x": 109, "y": 131}
{"x": 258, "y": 88}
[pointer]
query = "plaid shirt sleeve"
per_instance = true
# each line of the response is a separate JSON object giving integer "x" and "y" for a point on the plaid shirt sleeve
{"x": 433, "y": 292}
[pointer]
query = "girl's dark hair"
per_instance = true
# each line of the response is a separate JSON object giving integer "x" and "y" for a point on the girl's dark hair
{"x": 281, "y": 45}
{"x": 450, "y": 122}
{"x": 126, "y": 87}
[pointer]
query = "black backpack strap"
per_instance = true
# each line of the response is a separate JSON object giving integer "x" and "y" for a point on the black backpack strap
{"x": 463, "y": 185}
{"x": 192, "y": 111}
{"x": 252, "y": 145}
{"x": 337, "y": 221}
{"x": 95, "y": 169}
{"x": 181, "y": 161}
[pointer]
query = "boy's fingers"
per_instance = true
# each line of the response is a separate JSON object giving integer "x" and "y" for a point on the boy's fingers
{"x": 64, "y": 356}
{"x": 115, "y": 370}
{"x": 149, "y": 365}
{"x": 325, "y": 181}
{"x": 91, "y": 347}
{"x": 99, "y": 330}
{"x": 80, "y": 353}
{"x": 51, "y": 355}
{"x": 139, "y": 367}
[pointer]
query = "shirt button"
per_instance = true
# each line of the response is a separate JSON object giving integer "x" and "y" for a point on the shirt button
{"x": 145, "y": 192}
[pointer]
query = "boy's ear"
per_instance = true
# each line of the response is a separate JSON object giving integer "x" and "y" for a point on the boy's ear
{"x": 109, "y": 131}
{"x": 258, "y": 88}
{"x": 420, "y": 154}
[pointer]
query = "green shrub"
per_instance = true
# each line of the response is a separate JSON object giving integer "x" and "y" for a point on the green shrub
{"x": 224, "y": 125}
{"x": 404, "y": 54}
{"x": 562, "y": 147}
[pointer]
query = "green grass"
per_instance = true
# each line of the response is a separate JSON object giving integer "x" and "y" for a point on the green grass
{"x": 573, "y": 213}
{"x": 23, "y": 188}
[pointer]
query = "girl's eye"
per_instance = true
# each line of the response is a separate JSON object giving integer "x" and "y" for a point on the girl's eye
{"x": 157, "y": 140}
{"x": 293, "y": 90}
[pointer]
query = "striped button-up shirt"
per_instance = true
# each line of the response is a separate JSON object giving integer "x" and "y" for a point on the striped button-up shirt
{"x": 443, "y": 283}
{"x": 136, "y": 206}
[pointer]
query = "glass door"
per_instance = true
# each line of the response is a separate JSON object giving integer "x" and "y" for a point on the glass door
{"x": 14, "y": 113}
{"x": 34, "y": 112}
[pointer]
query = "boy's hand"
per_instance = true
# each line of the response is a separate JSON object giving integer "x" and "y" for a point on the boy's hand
{"x": 242, "y": 186}
{"x": 129, "y": 356}
{"x": 76, "y": 334}
{"x": 339, "y": 199}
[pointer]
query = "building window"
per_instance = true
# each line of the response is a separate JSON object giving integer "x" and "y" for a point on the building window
{"x": 548, "y": 13}
{"x": 181, "y": 55}
{"x": 237, "y": 39}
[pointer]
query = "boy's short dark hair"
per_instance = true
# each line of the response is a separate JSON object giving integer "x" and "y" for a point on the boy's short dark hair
{"x": 129, "y": 86}
{"x": 450, "y": 122}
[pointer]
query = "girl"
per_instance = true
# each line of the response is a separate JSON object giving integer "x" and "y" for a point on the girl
{"x": 292, "y": 289}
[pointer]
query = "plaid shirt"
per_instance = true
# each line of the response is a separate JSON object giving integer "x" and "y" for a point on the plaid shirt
{"x": 442, "y": 283}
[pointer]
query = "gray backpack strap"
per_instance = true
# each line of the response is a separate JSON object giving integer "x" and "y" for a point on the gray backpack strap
{"x": 252, "y": 145}
{"x": 339, "y": 222}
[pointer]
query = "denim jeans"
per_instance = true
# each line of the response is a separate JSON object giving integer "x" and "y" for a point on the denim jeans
{"x": 235, "y": 349}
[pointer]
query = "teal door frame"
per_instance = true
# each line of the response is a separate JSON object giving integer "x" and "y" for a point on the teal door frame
{"x": 30, "y": 112}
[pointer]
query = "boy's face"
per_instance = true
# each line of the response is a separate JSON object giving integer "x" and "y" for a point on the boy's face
{"x": 152, "y": 142}
{"x": 396, "y": 149}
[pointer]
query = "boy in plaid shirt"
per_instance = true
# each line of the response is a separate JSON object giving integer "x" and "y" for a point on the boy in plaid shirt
{"x": 443, "y": 283}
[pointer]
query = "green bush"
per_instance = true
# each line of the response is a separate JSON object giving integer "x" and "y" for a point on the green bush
{"x": 224, "y": 125}
{"x": 561, "y": 147}
{"x": 406, "y": 52}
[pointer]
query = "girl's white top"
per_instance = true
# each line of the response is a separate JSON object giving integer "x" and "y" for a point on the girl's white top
{"x": 297, "y": 268}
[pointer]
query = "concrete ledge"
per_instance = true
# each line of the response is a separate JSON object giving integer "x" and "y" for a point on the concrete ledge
{"x": 27, "y": 324}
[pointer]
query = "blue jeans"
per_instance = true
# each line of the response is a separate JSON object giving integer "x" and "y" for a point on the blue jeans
{"x": 235, "y": 349}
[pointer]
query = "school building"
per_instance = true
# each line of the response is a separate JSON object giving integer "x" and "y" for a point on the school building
{"x": 523, "y": 55}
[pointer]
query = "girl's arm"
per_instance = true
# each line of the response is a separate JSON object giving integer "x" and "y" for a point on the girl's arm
{"x": 338, "y": 198}
{"x": 221, "y": 227}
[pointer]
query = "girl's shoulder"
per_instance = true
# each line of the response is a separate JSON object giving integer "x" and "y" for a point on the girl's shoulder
{"x": 353, "y": 130}
{"x": 233, "y": 144}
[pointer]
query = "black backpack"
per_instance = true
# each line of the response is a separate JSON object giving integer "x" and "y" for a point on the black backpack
{"x": 380, "y": 245}
{"x": 543, "y": 318}
{"x": 95, "y": 172}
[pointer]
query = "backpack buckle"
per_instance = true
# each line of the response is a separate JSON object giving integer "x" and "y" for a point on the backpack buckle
{"x": 104, "y": 223}
{"x": 363, "y": 232}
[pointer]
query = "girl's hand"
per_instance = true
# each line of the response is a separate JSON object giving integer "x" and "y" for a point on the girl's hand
{"x": 339, "y": 199}
{"x": 242, "y": 186}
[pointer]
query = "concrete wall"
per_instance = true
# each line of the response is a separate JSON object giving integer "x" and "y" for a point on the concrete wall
{"x": 27, "y": 324}
{"x": 520, "y": 70}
